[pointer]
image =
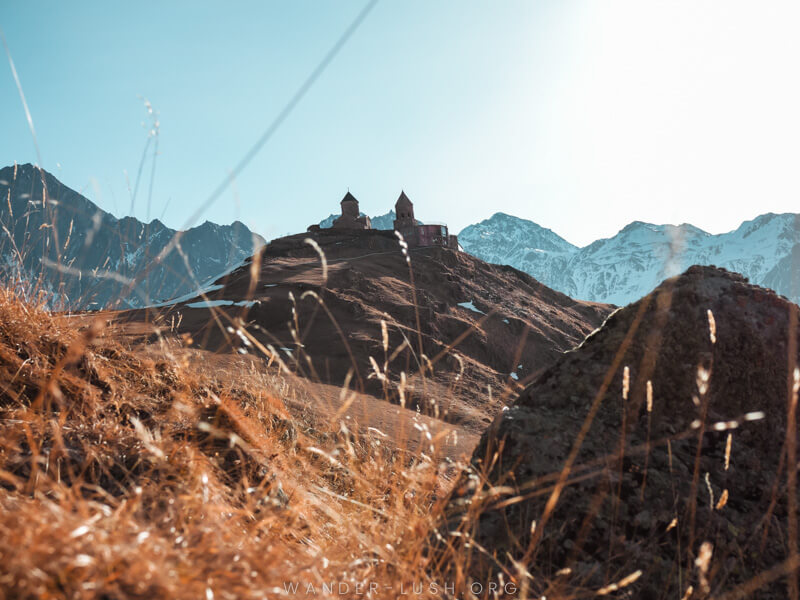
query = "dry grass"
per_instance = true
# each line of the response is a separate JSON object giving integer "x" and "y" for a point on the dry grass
{"x": 122, "y": 476}
{"x": 133, "y": 474}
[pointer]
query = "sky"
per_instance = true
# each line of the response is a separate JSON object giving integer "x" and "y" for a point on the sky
{"x": 580, "y": 116}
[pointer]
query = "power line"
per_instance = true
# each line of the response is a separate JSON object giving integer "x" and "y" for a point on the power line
{"x": 270, "y": 131}
{"x": 287, "y": 110}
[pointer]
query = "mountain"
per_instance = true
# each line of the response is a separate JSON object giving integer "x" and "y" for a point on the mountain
{"x": 623, "y": 268}
{"x": 679, "y": 427}
{"x": 62, "y": 244}
{"x": 504, "y": 239}
{"x": 475, "y": 320}
{"x": 627, "y": 266}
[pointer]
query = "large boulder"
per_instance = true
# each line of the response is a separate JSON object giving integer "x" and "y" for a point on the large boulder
{"x": 585, "y": 483}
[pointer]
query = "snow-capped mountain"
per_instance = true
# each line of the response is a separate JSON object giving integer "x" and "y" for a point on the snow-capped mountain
{"x": 623, "y": 268}
{"x": 504, "y": 239}
{"x": 63, "y": 244}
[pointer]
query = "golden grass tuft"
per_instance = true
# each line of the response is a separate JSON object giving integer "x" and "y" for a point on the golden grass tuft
{"x": 127, "y": 477}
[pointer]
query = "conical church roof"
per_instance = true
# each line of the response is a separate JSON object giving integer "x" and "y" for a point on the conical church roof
{"x": 403, "y": 202}
{"x": 348, "y": 197}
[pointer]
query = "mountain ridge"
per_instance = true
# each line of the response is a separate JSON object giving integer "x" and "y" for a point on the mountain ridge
{"x": 60, "y": 243}
{"x": 624, "y": 267}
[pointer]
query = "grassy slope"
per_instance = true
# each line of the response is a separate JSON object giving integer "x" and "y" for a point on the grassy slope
{"x": 124, "y": 474}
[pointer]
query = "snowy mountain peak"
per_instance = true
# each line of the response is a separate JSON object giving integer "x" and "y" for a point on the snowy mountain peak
{"x": 623, "y": 268}
{"x": 529, "y": 247}
{"x": 520, "y": 232}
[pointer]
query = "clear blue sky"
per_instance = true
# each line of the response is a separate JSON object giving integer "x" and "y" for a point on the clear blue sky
{"x": 581, "y": 116}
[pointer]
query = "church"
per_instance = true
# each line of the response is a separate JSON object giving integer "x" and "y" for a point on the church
{"x": 351, "y": 217}
{"x": 416, "y": 235}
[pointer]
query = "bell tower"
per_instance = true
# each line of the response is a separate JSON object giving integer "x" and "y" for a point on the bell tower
{"x": 404, "y": 214}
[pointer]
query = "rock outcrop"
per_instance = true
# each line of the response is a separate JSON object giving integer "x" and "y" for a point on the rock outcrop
{"x": 654, "y": 454}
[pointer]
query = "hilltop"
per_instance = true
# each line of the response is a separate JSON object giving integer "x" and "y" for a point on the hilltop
{"x": 458, "y": 342}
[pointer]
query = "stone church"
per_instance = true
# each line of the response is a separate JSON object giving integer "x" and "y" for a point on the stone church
{"x": 416, "y": 235}
{"x": 351, "y": 217}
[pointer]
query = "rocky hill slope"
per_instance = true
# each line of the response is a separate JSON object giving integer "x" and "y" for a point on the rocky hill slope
{"x": 457, "y": 343}
{"x": 160, "y": 471}
{"x": 623, "y": 268}
{"x": 654, "y": 456}
{"x": 83, "y": 257}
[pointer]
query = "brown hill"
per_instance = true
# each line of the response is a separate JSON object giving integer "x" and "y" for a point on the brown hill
{"x": 166, "y": 472}
{"x": 586, "y": 488}
{"x": 464, "y": 332}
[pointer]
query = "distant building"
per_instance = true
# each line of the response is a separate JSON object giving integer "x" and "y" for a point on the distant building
{"x": 404, "y": 214}
{"x": 351, "y": 217}
{"x": 418, "y": 235}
